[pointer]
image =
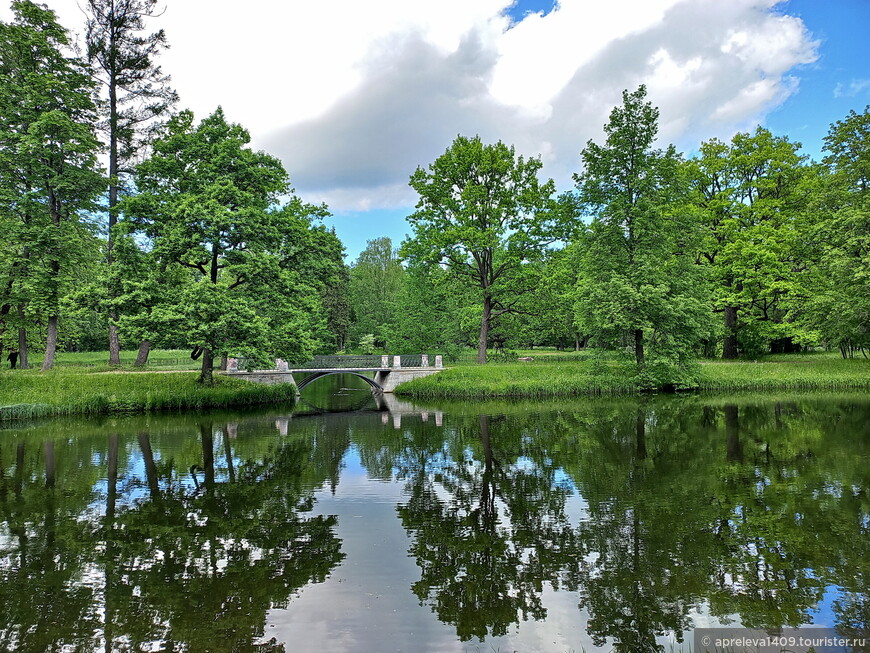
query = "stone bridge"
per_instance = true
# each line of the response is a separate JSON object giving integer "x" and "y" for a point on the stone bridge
{"x": 382, "y": 378}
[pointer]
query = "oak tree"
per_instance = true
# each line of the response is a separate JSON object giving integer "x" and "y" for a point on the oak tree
{"x": 638, "y": 278}
{"x": 483, "y": 213}
{"x": 210, "y": 204}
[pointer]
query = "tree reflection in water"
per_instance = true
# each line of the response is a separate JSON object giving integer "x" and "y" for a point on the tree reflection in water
{"x": 749, "y": 513}
{"x": 648, "y": 512}
{"x": 488, "y": 527}
{"x": 183, "y": 566}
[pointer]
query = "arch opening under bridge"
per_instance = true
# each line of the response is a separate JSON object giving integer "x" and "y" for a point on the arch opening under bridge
{"x": 311, "y": 378}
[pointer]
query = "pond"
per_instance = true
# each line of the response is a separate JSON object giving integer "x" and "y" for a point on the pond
{"x": 350, "y": 524}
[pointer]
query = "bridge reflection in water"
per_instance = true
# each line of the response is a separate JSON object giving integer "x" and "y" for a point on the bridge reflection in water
{"x": 391, "y": 409}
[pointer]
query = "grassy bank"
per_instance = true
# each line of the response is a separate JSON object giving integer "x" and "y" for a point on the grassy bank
{"x": 541, "y": 378}
{"x": 78, "y": 392}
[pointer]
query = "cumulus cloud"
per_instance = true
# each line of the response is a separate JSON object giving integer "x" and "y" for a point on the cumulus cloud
{"x": 354, "y": 96}
{"x": 547, "y": 84}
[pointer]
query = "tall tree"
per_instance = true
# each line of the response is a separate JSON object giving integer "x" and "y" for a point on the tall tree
{"x": 376, "y": 279}
{"x": 137, "y": 96}
{"x": 483, "y": 212}
{"x": 638, "y": 277}
{"x": 834, "y": 287}
{"x": 209, "y": 203}
{"x": 750, "y": 193}
{"x": 48, "y": 160}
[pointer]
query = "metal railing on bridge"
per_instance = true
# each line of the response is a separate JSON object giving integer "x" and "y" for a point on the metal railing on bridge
{"x": 367, "y": 361}
{"x": 372, "y": 361}
{"x": 339, "y": 362}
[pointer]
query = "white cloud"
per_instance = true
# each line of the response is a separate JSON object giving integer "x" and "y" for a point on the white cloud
{"x": 354, "y": 95}
{"x": 854, "y": 88}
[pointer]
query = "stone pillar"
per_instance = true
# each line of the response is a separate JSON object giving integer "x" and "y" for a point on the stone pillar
{"x": 439, "y": 362}
{"x": 385, "y": 361}
{"x": 425, "y": 362}
{"x": 397, "y": 361}
{"x": 439, "y": 418}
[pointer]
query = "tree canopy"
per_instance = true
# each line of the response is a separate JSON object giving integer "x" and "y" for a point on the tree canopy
{"x": 209, "y": 204}
{"x": 483, "y": 213}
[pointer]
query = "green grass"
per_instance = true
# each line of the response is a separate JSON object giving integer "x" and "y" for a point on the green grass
{"x": 542, "y": 378}
{"x": 789, "y": 372}
{"x": 534, "y": 379}
{"x": 25, "y": 394}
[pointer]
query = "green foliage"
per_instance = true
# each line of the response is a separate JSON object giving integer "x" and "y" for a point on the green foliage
{"x": 750, "y": 194}
{"x": 638, "y": 280}
{"x": 367, "y": 343}
{"x": 49, "y": 175}
{"x": 482, "y": 214}
{"x": 435, "y": 312}
{"x": 375, "y": 282}
{"x": 834, "y": 287}
{"x": 209, "y": 204}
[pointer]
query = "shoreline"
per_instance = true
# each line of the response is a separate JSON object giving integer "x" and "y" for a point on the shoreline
{"x": 72, "y": 392}
{"x": 542, "y": 380}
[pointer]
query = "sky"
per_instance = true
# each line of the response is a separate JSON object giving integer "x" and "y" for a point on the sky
{"x": 354, "y": 96}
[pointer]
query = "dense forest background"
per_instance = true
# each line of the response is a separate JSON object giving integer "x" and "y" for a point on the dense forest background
{"x": 125, "y": 222}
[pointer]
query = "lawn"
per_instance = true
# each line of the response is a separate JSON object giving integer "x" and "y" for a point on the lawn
{"x": 556, "y": 374}
{"x": 82, "y": 384}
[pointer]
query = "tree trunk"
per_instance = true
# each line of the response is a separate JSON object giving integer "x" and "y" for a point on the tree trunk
{"x": 142, "y": 356}
{"x": 50, "y": 344}
{"x": 50, "y": 465}
{"x": 150, "y": 465}
{"x": 729, "y": 345}
{"x": 205, "y": 432}
{"x": 732, "y": 433}
{"x": 23, "y": 363}
{"x": 112, "y": 480}
{"x": 484, "y": 329}
{"x": 638, "y": 347}
{"x": 640, "y": 434}
{"x": 206, "y": 375}
{"x": 114, "y": 342}
{"x": 224, "y": 362}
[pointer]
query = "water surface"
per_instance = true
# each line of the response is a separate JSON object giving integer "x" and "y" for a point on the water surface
{"x": 589, "y": 524}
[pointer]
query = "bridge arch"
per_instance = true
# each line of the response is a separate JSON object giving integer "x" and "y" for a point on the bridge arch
{"x": 311, "y": 378}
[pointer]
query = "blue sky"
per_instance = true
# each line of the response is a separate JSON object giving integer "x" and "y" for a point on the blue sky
{"x": 837, "y": 82}
{"x": 354, "y": 96}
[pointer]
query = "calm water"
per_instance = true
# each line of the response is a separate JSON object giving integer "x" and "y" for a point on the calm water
{"x": 559, "y": 526}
